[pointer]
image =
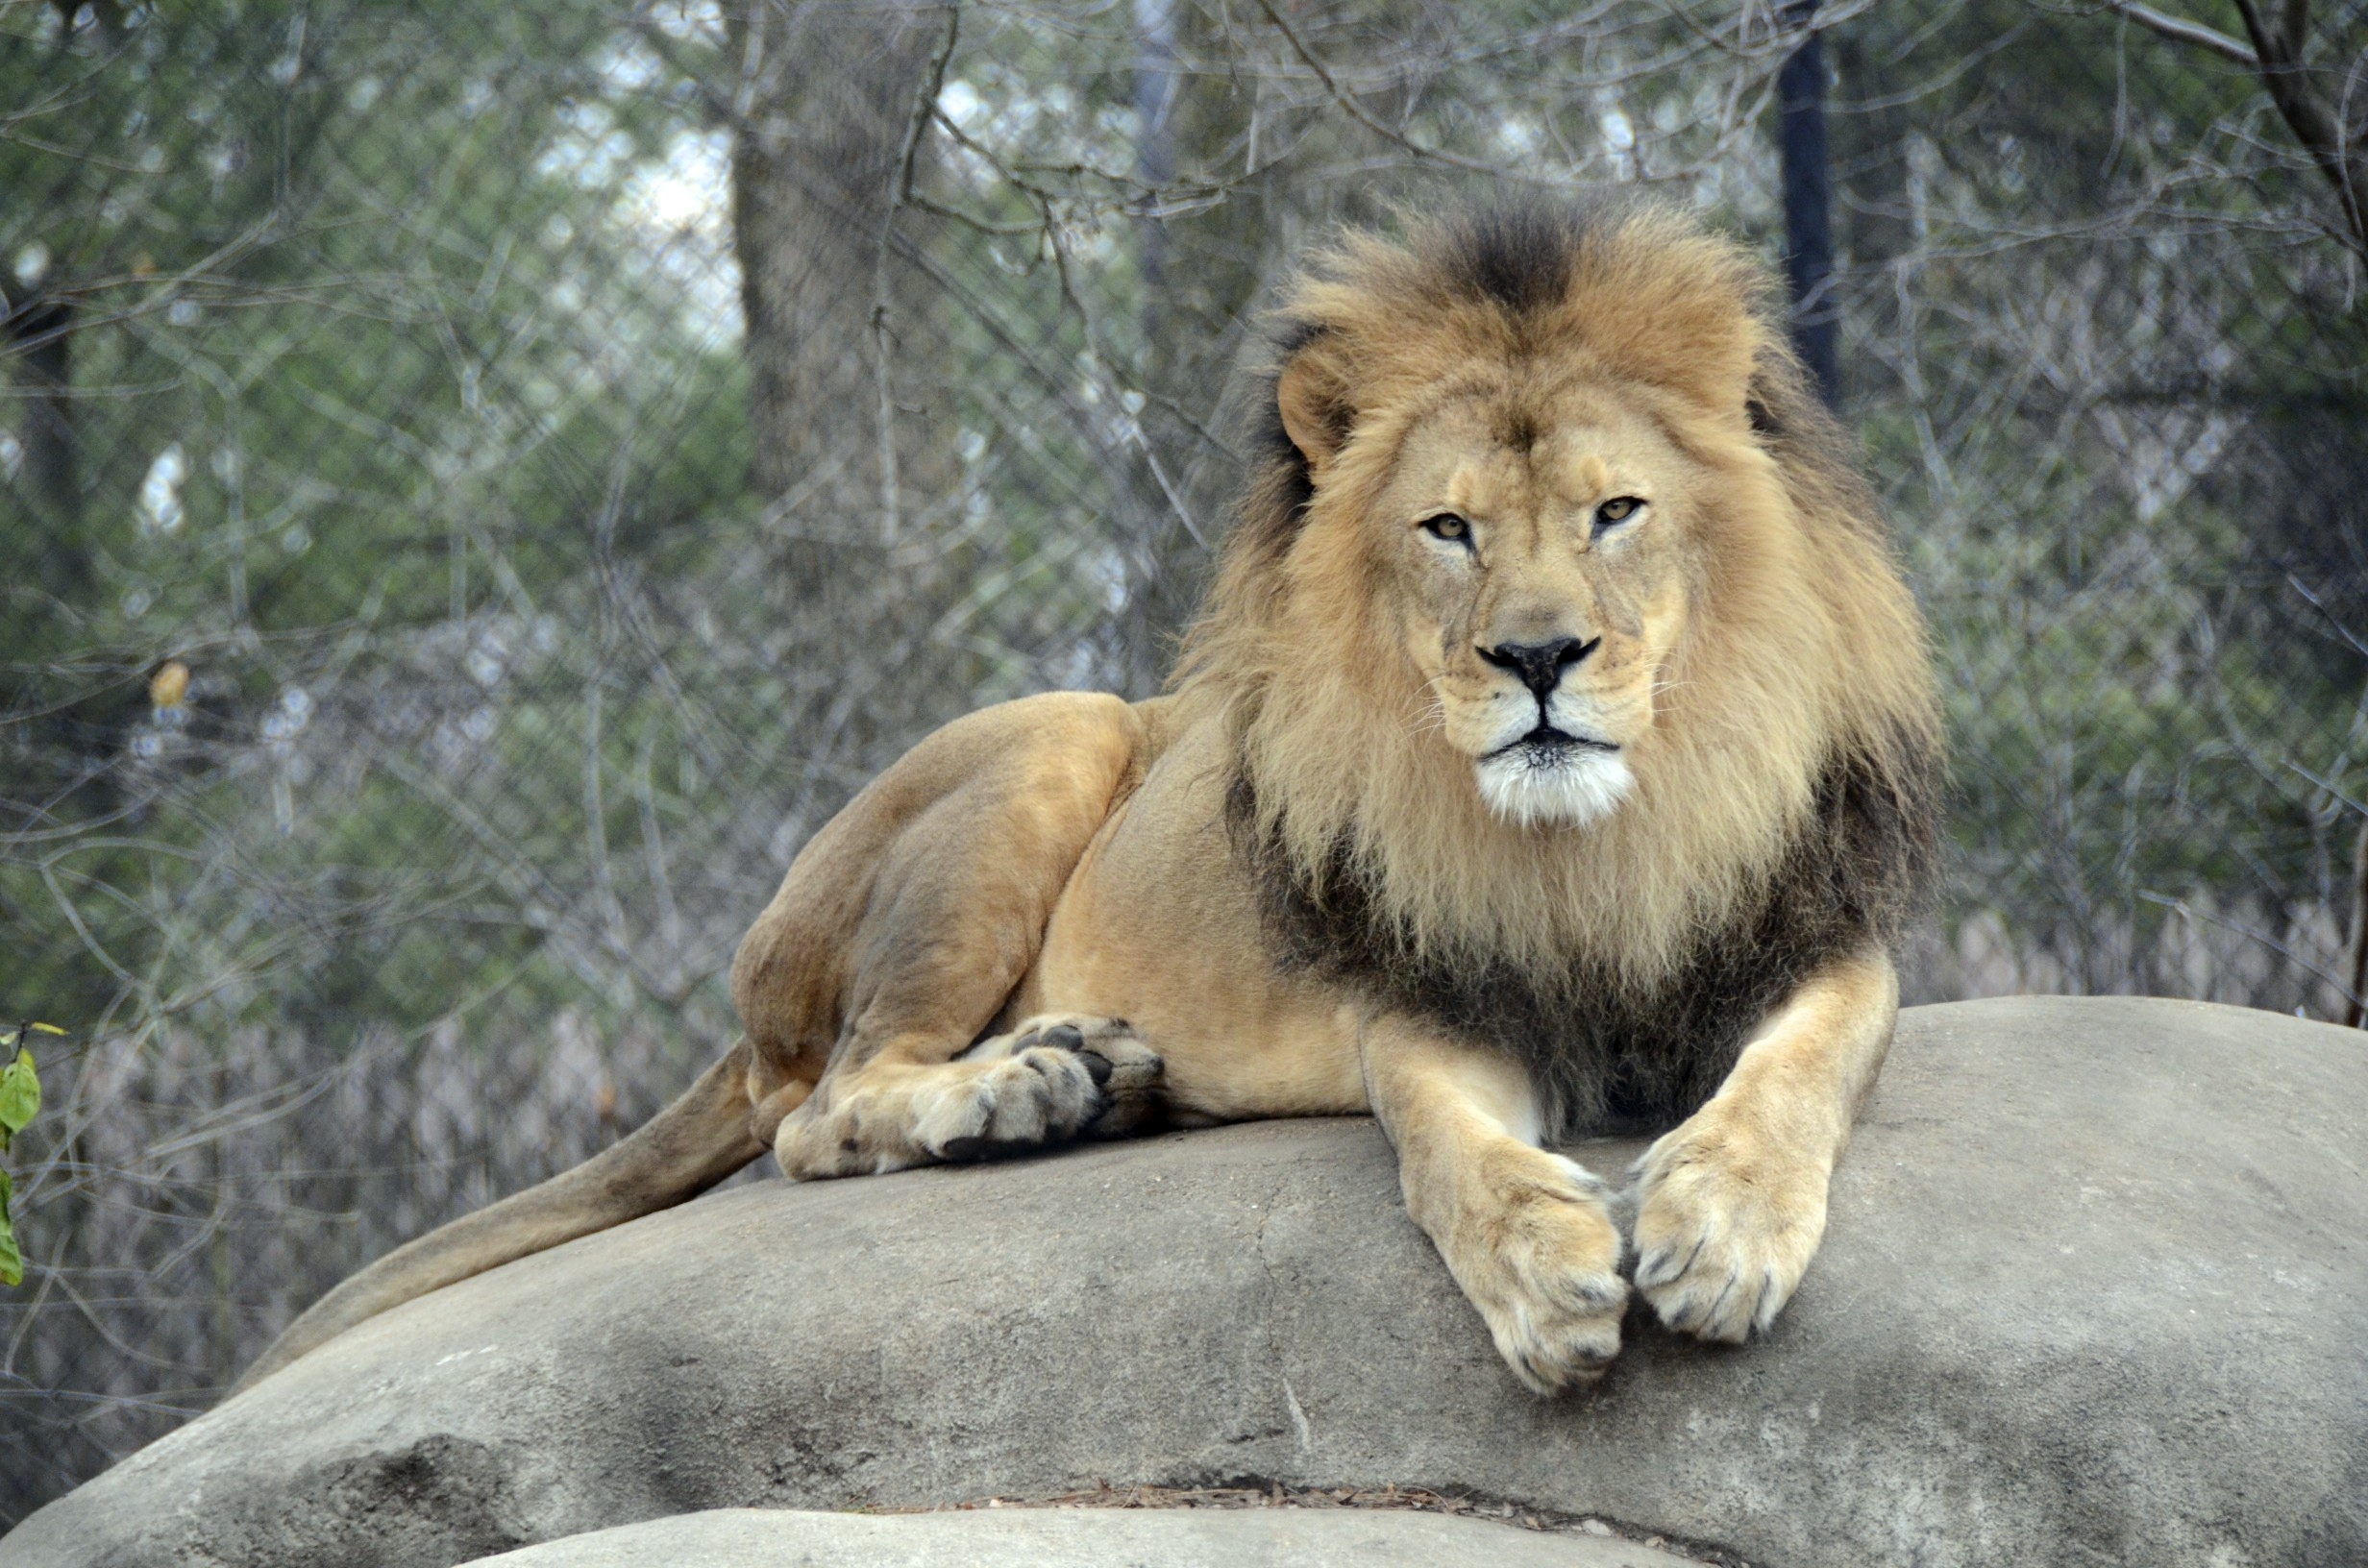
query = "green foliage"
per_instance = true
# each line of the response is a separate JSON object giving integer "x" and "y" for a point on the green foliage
{"x": 21, "y": 1100}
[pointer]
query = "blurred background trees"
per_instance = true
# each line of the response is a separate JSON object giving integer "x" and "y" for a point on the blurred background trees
{"x": 568, "y": 448}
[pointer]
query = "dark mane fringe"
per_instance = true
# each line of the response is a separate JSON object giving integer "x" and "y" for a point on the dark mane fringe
{"x": 1517, "y": 253}
{"x": 1817, "y": 455}
{"x": 1605, "y": 1054}
{"x": 1274, "y": 494}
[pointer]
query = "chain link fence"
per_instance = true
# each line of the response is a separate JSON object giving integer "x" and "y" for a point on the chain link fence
{"x": 480, "y": 485}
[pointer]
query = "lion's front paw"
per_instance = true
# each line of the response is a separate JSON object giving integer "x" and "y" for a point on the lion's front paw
{"x": 1725, "y": 1227}
{"x": 1533, "y": 1245}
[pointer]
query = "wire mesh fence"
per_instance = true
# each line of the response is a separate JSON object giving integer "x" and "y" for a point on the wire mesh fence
{"x": 480, "y": 485}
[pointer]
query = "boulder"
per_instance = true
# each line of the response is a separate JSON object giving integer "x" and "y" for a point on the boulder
{"x": 1079, "y": 1538}
{"x": 2094, "y": 1290}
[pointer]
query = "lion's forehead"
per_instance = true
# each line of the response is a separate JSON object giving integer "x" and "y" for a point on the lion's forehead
{"x": 1502, "y": 452}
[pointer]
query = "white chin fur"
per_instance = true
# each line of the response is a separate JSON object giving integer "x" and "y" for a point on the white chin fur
{"x": 1566, "y": 787}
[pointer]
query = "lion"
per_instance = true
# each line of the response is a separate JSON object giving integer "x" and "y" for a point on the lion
{"x": 1556, "y": 753}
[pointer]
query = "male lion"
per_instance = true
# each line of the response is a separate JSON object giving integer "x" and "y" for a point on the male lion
{"x": 1556, "y": 752}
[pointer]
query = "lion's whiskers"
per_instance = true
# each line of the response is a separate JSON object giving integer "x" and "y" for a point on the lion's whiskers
{"x": 1434, "y": 717}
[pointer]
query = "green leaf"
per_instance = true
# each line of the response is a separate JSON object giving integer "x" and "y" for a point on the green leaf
{"x": 11, "y": 1260}
{"x": 20, "y": 1095}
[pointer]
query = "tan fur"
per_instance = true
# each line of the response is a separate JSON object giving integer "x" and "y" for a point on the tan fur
{"x": 1051, "y": 919}
{"x": 1530, "y": 1236}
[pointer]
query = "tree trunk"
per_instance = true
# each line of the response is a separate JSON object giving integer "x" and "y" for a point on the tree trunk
{"x": 848, "y": 438}
{"x": 2356, "y": 972}
{"x": 1808, "y": 234}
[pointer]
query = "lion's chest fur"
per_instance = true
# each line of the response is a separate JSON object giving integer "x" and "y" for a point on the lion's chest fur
{"x": 1609, "y": 1051}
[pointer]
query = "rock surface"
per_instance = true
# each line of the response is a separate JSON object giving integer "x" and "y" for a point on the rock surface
{"x": 2093, "y": 1291}
{"x": 1079, "y": 1538}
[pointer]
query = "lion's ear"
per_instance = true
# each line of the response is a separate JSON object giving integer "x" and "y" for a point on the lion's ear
{"x": 1313, "y": 404}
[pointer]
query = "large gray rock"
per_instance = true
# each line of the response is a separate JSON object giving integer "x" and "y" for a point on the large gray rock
{"x": 1078, "y": 1538}
{"x": 2095, "y": 1290}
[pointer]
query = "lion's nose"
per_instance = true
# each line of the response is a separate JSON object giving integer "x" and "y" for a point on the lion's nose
{"x": 1541, "y": 665}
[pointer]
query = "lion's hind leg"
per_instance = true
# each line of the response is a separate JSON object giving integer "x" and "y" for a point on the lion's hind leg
{"x": 905, "y": 930}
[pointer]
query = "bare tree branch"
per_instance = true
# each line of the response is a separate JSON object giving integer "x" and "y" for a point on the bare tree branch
{"x": 2281, "y": 52}
{"x": 1356, "y": 110}
{"x": 2185, "y": 32}
{"x": 2276, "y": 56}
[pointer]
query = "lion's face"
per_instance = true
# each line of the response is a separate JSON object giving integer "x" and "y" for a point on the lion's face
{"x": 1533, "y": 554}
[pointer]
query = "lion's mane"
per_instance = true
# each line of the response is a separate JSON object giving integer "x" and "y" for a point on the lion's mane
{"x": 1787, "y": 807}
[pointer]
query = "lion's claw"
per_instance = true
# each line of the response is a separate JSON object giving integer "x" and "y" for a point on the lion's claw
{"x": 1657, "y": 1269}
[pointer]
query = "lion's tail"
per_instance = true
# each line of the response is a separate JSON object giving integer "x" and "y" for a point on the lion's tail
{"x": 695, "y": 1142}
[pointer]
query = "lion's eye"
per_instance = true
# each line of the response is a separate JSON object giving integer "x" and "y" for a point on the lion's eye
{"x": 1448, "y": 527}
{"x": 1618, "y": 509}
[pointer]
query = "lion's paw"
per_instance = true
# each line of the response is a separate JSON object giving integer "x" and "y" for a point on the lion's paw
{"x": 1049, "y": 1081}
{"x": 1539, "y": 1257}
{"x": 1724, "y": 1228}
{"x": 1036, "y": 1095}
{"x": 1129, "y": 1075}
